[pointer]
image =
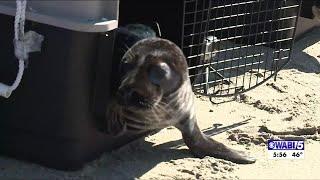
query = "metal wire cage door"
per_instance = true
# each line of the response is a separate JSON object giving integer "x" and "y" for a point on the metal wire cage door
{"x": 234, "y": 45}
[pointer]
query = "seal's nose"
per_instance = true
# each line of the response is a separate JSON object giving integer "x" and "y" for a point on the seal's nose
{"x": 131, "y": 97}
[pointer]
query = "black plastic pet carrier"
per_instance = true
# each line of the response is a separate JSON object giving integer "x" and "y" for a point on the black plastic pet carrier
{"x": 51, "y": 117}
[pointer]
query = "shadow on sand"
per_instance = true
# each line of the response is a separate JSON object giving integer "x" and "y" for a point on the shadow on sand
{"x": 144, "y": 156}
{"x": 302, "y": 61}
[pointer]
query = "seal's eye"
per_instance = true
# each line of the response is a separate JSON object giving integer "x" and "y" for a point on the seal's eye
{"x": 158, "y": 72}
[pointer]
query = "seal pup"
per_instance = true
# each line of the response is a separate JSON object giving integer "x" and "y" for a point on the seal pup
{"x": 155, "y": 92}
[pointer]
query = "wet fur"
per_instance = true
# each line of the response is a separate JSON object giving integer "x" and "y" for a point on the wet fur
{"x": 170, "y": 106}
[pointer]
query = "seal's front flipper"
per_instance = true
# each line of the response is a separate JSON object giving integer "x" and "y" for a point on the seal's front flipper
{"x": 201, "y": 145}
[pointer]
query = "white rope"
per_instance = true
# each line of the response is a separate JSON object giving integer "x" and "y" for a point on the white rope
{"x": 23, "y": 44}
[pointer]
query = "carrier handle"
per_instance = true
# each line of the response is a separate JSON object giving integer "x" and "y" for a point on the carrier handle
{"x": 23, "y": 44}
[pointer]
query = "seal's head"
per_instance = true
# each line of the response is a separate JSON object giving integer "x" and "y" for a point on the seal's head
{"x": 151, "y": 69}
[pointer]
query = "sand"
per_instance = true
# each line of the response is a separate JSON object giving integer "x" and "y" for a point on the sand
{"x": 289, "y": 107}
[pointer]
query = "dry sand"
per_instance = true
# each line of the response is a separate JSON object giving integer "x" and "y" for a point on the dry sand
{"x": 291, "y": 104}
